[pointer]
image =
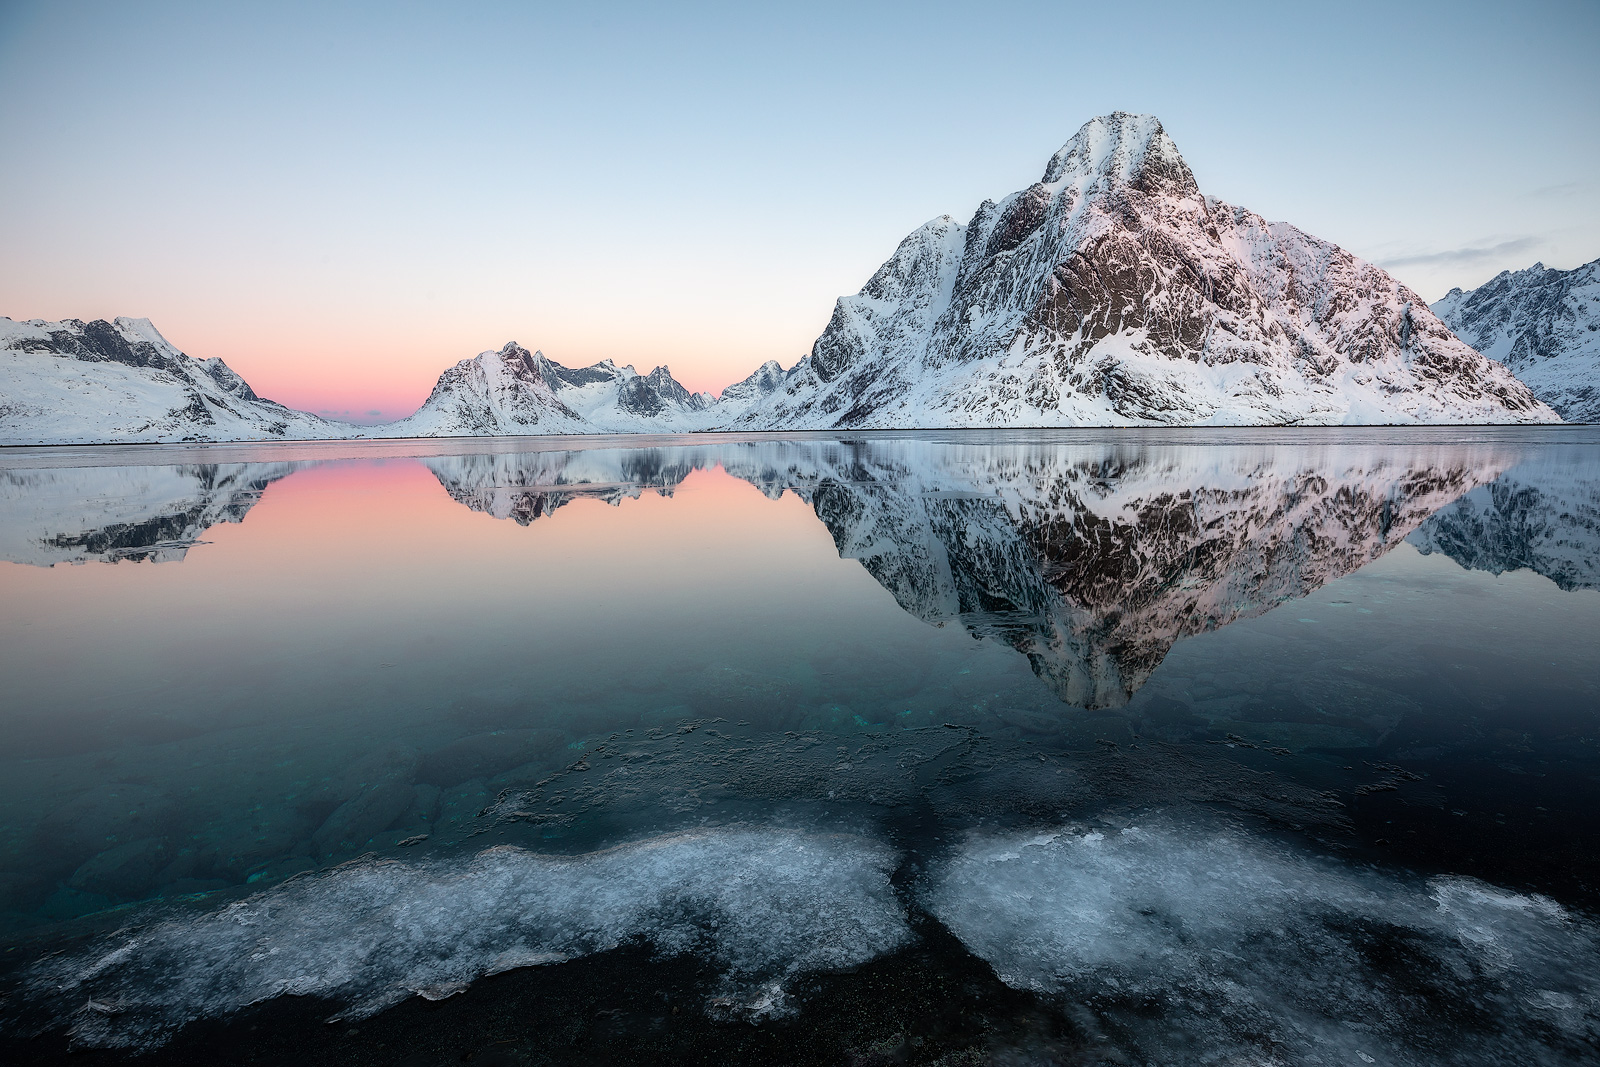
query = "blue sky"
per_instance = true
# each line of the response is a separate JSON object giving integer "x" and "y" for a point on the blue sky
{"x": 342, "y": 199}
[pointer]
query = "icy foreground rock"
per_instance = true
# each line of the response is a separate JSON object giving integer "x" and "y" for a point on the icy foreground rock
{"x": 1112, "y": 292}
{"x": 766, "y": 905}
{"x": 1544, "y": 324}
{"x": 74, "y": 382}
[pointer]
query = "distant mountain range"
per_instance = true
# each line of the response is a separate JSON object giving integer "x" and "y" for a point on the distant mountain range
{"x": 1111, "y": 292}
{"x": 514, "y": 391}
{"x": 1545, "y": 325}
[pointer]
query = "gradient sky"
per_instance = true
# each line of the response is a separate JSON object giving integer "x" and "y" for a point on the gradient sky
{"x": 343, "y": 199}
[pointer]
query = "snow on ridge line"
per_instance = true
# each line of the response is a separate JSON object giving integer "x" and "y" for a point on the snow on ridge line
{"x": 765, "y": 904}
{"x": 1113, "y": 292}
{"x": 1542, "y": 323}
{"x": 75, "y": 382}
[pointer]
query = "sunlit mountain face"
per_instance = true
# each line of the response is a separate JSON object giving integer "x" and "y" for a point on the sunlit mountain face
{"x": 1269, "y": 746}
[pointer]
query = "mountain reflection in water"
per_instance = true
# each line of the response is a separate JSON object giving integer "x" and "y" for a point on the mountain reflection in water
{"x": 464, "y": 748}
{"x": 1090, "y": 560}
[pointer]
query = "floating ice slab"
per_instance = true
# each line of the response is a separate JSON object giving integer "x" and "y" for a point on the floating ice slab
{"x": 1206, "y": 945}
{"x": 764, "y": 904}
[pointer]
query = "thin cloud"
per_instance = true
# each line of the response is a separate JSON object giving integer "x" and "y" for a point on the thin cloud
{"x": 1465, "y": 257}
{"x": 1565, "y": 189}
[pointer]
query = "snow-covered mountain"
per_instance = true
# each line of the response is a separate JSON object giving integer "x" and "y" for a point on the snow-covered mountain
{"x": 85, "y": 382}
{"x": 1113, "y": 292}
{"x": 514, "y": 392}
{"x": 1545, "y": 325}
{"x": 740, "y": 396}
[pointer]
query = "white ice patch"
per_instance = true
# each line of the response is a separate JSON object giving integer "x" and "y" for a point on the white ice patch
{"x": 1210, "y": 946}
{"x": 764, "y": 904}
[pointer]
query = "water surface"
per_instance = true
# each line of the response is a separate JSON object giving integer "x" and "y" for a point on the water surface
{"x": 1270, "y": 746}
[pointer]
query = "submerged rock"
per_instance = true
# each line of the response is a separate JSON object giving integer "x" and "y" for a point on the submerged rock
{"x": 379, "y": 788}
{"x": 128, "y": 870}
{"x": 487, "y": 754}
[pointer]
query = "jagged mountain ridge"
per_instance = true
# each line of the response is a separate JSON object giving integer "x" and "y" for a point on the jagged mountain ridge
{"x": 514, "y": 392}
{"x": 85, "y": 382}
{"x": 1112, "y": 292}
{"x": 72, "y": 382}
{"x": 1544, "y": 325}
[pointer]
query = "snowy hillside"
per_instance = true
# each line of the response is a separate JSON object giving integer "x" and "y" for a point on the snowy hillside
{"x": 1112, "y": 292}
{"x": 1545, "y": 325}
{"x": 76, "y": 382}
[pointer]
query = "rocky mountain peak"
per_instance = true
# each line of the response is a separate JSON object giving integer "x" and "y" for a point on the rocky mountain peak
{"x": 1114, "y": 293}
{"x": 519, "y": 362}
{"x": 1544, "y": 324}
{"x": 663, "y": 382}
{"x": 763, "y": 381}
{"x": 1123, "y": 149}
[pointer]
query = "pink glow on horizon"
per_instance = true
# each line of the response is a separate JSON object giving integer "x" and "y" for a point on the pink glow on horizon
{"x": 343, "y": 377}
{"x": 350, "y": 205}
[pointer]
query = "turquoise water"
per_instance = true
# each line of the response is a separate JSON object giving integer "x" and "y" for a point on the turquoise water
{"x": 1279, "y": 745}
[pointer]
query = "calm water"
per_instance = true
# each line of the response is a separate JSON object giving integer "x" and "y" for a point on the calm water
{"x": 1258, "y": 747}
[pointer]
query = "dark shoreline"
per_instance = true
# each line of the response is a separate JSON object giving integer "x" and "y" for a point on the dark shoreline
{"x": 931, "y": 1002}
